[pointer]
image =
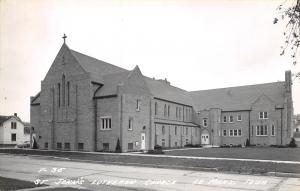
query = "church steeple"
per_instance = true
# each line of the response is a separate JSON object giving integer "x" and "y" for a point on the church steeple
{"x": 64, "y": 37}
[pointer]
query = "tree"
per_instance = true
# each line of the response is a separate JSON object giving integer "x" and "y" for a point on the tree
{"x": 118, "y": 147}
{"x": 289, "y": 10}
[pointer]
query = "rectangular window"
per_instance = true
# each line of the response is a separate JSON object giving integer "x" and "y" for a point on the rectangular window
{"x": 80, "y": 146}
{"x": 263, "y": 115}
{"x": 46, "y": 145}
{"x": 67, "y": 146}
{"x": 138, "y": 105}
{"x": 176, "y": 112}
{"x": 13, "y": 125}
{"x": 155, "y": 108}
{"x": 130, "y": 123}
{"x": 205, "y": 122}
{"x": 106, "y": 123}
{"x": 224, "y": 132}
{"x": 13, "y": 137}
{"x": 240, "y": 132}
{"x": 168, "y": 111}
{"x": 58, "y": 145}
{"x": 224, "y": 119}
{"x": 130, "y": 146}
{"x": 231, "y": 119}
{"x": 239, "y": 118}
{"x": 266, "y": 130}
{"x": 179, "y": 112}
{"x": 165, "y": 110}
{"x": 175, "y": 130}
{"x": 163, "y": 143}
{"x": 105, "y": 146}
{"x": 261, "y": 130}
{"x": 235, "y": 132}
{"x": 230, "y": 132}
{"x": 273, "y": 130}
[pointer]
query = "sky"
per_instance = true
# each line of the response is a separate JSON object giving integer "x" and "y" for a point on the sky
{"x": 196, "y": 45}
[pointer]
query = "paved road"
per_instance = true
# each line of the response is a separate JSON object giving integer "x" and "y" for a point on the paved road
{"x": 58, "y": 173}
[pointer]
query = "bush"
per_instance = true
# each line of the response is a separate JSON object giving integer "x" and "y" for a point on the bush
{"x": 247, "y": 143}
{"x": 118, "y": 147}
{"x": 157, "y": 150}
{"x": 293, "y": 143}
{"x": 191, "y": 145}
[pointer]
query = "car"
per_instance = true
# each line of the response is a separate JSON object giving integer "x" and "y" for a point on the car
{"x": 26, "y": 144}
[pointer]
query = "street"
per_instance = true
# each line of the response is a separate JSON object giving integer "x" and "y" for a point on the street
{"x": 58, "y": 172}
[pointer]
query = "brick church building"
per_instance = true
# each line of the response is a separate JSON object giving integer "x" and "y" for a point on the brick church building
{"x": 87, "y": 104}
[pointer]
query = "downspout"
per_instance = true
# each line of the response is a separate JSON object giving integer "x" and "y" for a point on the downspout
{"x": 95, "y": 123}
{"x": 249, "y": 127}
{"x": 121, "y": 123}
{"x": 281, "y": 126}
{"x": 52, "y": 122}
{"x": 150, "y": 127}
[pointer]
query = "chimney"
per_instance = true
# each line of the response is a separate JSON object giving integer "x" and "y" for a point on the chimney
{"x": 15, "y": 114}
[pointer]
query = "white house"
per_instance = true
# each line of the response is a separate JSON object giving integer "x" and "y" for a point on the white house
{"x": 13, "y": 131}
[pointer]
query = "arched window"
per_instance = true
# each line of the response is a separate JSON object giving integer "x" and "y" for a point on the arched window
{"x": 63, "y": 90}
{"x": 58, "y": 94}
{"x": 68, "y": 93}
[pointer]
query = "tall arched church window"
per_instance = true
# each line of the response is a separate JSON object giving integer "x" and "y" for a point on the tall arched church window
{"x": 68, "y": 93}
{"x": 63, "y": 90}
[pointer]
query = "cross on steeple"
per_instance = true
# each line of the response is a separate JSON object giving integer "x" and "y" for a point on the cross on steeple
{"x": 64, "y": 37}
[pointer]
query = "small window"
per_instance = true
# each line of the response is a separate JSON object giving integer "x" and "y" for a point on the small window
{"x": 130, "y": 123}
{"x": 106, "y": 123}
{"x": 176, "y": 112}
{"x": 130, "y": 146}
{"x": 136, "y": 143}
{"x": 235, "y": 132}
{"x": 175, "y": 130}
{"x": 67, "y": 146}
{"x": 239, "y": 118}
{"x": 165, "y": 110}
{"x": 230, "y": 132}
{"x": 231, "y": 119}
{"x": 224, "y": 132}
{"x": 58, "y": 145}
{"x": 205, "y": 122}
{"x": 273, "y": 130}
{"x": 240, "y": 132}
{"x": 163, "y": 130}
{"x": 224, "y": 119}
{"x": 163, "y": 143}
{"x": 168, "y": 110}
{"x": 179, "y": 112}
{"x": 105, "y": 146}
{"x": 155, "y": 108}
{"x": 138, "y": 105}
{"x": 58, "y": 94}
{"x": 80, "y": 146}
{"x": 263, "y": 115}
{"x": 68, "y": 92}
{"x": 13, "y": 125}
{"x": 13, "y": 137}
{"x": 46, "y": 145}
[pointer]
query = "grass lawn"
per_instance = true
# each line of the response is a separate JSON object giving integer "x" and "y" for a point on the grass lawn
{"x": 14, "y": 184}
{"x": 251, "y": 167}
{"x": 264, "y": 153}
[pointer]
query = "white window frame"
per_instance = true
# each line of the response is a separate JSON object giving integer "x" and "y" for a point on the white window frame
{"x": 263, "y": 115}
{"x": 238, "y": 117}
{"x": 230, "y": 132}
{"x": 103, "y": 123}
{"x": 258, "y": 130}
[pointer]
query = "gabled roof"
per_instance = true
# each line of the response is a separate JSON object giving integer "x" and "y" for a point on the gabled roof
{"x": 4, "y": 118}
{"x": 95, "y": 67}
{"x": 238, "y": 98}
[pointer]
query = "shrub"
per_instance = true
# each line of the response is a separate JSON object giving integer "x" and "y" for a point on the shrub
{"x": 158, "y": 149}
{"x": 247, "y": 143}
{"x": 118, "y": 147}
{"x": 293, "y": 143}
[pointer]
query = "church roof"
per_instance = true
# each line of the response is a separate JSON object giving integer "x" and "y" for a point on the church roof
{"x": 95, "y": 67}
{"x": 163, "y": 90}
{"x": 238, "y": 98}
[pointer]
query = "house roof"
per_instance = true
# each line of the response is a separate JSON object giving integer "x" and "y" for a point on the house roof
{"x": 238, "y": 98}
{"x": 95, "y": 67}
{"x": 4, "y": 118}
